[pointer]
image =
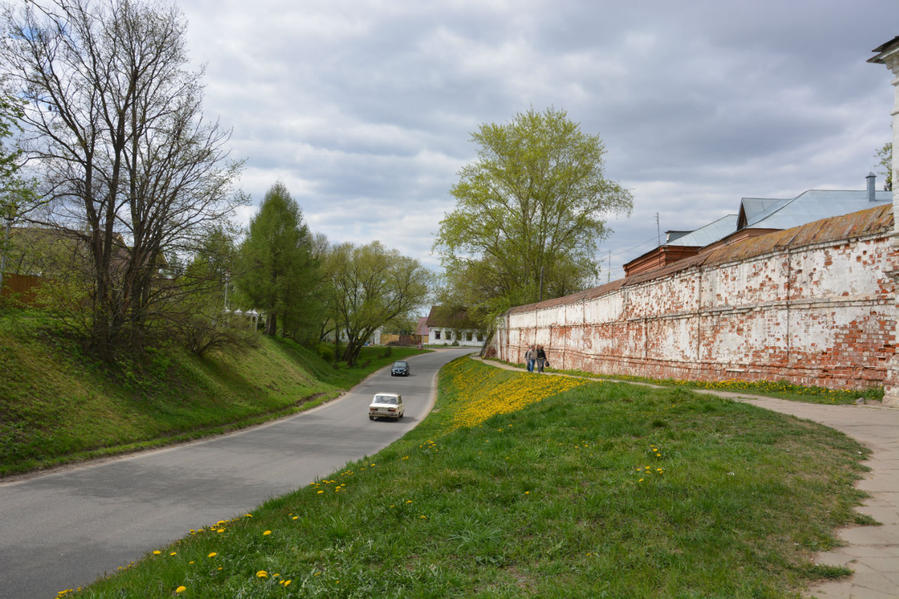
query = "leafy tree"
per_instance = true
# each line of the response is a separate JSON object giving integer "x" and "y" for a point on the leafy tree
{"x": 203, "y": 320}
{"x": 371, "y": 286}
{"x": 529, "y": 214}
{"x": 279, "y": 269}
{"x": 884, "y": 157}
{"x": 113, "y": 119}
{"x": 16, "y": 195}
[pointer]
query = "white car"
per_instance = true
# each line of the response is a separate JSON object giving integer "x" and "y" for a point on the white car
{"x": 386, "y": 405}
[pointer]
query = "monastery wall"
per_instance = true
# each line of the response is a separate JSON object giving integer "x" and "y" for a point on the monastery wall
{"x": 813, "y": 305}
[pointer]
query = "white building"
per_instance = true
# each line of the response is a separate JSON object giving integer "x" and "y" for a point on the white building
{"x": 452, "y": 326}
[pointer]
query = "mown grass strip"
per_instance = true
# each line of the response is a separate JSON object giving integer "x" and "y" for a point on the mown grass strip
{"x": 778, "y": 389}
{"x": 604, "y": 490}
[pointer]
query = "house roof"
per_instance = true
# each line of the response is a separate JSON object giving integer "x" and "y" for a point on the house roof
{"x": 884, "y": 50}
{"x": 863, "y": 223}
{"x": 808, "y": 206}
{"x": 709, "y": 233}
{"x": 450, "y": 317}
{"x": 422, "y": 328}
{"x": 752, "y": 209}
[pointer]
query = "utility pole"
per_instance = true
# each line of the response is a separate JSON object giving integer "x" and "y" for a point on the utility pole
{"x": 658, "y": 230}
{"x": 609, "y": 271}
{"x": 227, "y": 283}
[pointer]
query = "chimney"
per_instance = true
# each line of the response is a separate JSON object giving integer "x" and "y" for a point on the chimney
{"x": 871, "y": 195}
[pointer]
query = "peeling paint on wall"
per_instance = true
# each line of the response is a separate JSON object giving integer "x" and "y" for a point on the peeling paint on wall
{"x": 813, "y": 305}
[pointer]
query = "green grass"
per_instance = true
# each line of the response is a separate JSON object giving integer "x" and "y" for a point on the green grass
{"x": 608, "y": 490}
{"x": 778, "y": 389}
{"x": 58, "y": 404}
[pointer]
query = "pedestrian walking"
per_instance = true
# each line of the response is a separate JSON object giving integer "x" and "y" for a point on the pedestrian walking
{"x": 530, "y": 357}
{"x": 541, "y": 358}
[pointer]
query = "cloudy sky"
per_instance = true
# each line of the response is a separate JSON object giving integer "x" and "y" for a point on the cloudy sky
{"x": 364, "y": 109}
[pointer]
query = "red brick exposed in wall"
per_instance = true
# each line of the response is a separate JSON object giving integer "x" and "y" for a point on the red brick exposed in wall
{"x": 821, "y": 314}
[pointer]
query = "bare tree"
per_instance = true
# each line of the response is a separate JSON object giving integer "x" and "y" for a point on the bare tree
{"x": 114, "y": 122}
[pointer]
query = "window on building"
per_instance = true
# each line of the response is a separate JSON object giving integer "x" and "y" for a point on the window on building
{"x": 468, "y": 336}
{"x": 480, "y": 336}
{"x": 436, "y": 334}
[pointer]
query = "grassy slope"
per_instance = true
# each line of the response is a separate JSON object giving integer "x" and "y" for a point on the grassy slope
{"x": 606, "y": 490}
{"x": 59, "y": 405}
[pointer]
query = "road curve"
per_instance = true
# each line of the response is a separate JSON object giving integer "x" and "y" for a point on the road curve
{"x": 67, "y": 528}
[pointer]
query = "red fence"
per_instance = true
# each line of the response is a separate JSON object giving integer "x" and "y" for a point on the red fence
{"x": 21, "y": 287}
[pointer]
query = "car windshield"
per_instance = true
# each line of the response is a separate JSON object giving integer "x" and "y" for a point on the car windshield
{"x": 391, "y": 399}
{"x": 399, "y": 364}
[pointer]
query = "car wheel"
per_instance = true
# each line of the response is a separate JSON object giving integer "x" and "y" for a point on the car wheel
{"x": 370, "y": 417}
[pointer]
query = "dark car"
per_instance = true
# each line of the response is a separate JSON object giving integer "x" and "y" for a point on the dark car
{"x": 399, "y": 368}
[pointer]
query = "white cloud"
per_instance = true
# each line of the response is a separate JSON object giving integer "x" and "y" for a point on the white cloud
{"x": 364, "y": 109}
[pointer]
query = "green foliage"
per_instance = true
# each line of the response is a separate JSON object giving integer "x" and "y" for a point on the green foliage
{"x": 131, "y": 168}
{"x": 550, "y": 501}
{"x": 326, "y": 351}
{"x": 371, "y": 286}
{"x": 61, "y": 404}
{"x": 279, "y": 271}
{"x": 529, "y": 214}
{"x": 884, "y": 156}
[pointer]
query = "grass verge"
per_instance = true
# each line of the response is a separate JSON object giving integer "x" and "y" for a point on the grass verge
{"x": 601, "y": 490}
{"x": 778, "y": 389}
{"x": 60, "y": 405}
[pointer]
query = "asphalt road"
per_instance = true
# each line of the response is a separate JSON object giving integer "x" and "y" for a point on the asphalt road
{"x": 67, "y": 528}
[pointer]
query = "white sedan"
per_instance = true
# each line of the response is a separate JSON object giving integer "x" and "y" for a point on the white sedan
{"x": 386, "y": 405}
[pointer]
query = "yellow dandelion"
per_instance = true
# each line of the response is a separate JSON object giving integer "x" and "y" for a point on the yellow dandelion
{"x": 181, "y": 589}
{"x": 261, "y": 574}
{"x": 266, "y": 533}
{"x": 157, "y": 552}
{"x": 173, "y": 553}
{"x": 295, "y": 518}
{"x": 213, "y": 554}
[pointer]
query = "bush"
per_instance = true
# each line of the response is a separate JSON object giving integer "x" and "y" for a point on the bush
{"x": 325, "y": 351}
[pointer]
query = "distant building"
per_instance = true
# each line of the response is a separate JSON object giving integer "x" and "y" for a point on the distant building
{"x": 759, "y": 216}
{"x": 422, "y": 329}
{"x": 448, "y": 326}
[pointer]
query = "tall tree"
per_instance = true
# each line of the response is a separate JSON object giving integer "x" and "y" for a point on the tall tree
{"x": 529, "y": 213}
{"x": 372, "y": 286}
{"x": 114, "y": 119}
{"x": 279, "y": 269}
{"x": 884, "y": 156}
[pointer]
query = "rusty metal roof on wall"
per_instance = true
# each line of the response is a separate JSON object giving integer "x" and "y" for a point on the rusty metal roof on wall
{"x": 864, "y": 223}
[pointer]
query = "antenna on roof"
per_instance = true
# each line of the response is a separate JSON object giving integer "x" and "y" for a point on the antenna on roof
{"x": 658, "y": 231}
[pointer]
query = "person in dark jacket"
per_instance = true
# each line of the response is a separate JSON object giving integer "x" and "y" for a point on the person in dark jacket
{"x": 541, "y": 358}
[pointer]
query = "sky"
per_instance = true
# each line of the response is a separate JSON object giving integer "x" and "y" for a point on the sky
{"x": 364, "y": 109}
